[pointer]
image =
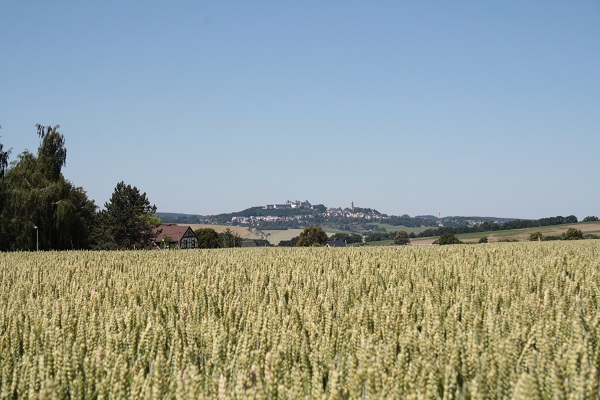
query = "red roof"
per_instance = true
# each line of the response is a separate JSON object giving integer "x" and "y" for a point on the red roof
{"x": 174, "y": 231}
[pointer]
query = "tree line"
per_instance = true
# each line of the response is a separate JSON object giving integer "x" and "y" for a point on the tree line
{"x": 41, "y": 209}
{"x": 315, "y": 236}
{"x": 493, "y": 226}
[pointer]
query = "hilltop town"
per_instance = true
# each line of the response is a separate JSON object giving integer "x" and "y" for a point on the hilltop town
{"x": 297, "y": 214}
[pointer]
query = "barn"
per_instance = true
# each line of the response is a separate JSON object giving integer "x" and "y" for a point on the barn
{"x": 178, "y": 236}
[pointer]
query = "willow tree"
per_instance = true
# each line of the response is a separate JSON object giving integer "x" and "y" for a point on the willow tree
{"x": 39, "y": 200}
{"x": 52, "y": 153}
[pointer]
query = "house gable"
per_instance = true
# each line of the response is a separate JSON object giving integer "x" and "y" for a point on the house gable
{"x": 180, "y": 235}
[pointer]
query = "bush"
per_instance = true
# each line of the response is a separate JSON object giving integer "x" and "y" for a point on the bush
{"x": 401, "y": 238}
{"x": 483, "y": 239}
{"x": 572, "y": 234}
{"x": 536, "y": 236}
{"x": 590, "y": 219}
{"x": 447, "y": 238}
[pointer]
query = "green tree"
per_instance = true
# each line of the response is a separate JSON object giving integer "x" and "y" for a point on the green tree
{"x": 127, "y": 221}
{"x": 591, "y": 218}
{"x": 230, "y": 239}
{"x": 447, "y": 238}
{"x": 572, "y": 234}
{"x": 536, "y": 236}
{"x": 34, "y": 197}
{"x": 401, "y": 238}
{"x": 483, "y": 239}
{"x": 208, "y": 238}
{"x": 52, "y": 153}
{"x": 313, "y": 235}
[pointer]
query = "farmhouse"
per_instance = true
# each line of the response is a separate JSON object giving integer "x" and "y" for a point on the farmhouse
{"x": 180, "y": 236}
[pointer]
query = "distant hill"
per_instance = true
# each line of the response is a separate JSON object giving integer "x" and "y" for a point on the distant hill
{"x": 177, "y": 218}
{"x": 350, "y": 219}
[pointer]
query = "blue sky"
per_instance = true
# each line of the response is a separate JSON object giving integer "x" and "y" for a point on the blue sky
{"x": 480, "y": 108}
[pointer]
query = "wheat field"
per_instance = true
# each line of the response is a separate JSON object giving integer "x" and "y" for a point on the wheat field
{"x": 494, "y": 321}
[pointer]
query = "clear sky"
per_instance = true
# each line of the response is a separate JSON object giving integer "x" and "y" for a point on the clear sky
{"x": 478, "y": 107}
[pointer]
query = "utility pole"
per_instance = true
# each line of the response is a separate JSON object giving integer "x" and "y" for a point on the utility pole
{"x": 37, "y": 238}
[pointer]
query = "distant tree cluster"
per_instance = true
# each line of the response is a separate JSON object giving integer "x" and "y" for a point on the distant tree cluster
{"x": 492, "y": 226}
{"x": 381, "y": 236}
{"x": 570, "y": 234}
{"x": 348, "y": 238}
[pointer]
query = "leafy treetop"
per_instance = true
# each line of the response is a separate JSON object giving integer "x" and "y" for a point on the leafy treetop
{"x": 128, "y": 220}
{"x": 312, "y": 236}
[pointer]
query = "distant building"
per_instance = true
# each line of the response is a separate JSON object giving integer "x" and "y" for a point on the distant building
{"x": 336, "y": 243}
{"x": 180, "y": 236}
{"x": 288, "y": 204}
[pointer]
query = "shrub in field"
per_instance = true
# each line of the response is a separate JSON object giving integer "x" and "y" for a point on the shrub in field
{"x": 447, "y": 238}
{"x": 572, "y": 234}
{"x": 536, "y": 237}
{"x": 401, "y": 238}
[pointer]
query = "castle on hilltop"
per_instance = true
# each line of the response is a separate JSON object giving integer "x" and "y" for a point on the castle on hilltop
{"x": 288, "y": 204}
